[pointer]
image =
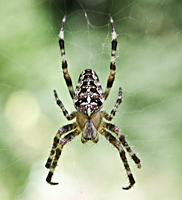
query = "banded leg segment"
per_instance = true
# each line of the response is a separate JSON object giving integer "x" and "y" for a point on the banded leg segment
{"x": 113, "y": 112}
{"x": 113, "y": 61}
{"x": 118, "y": 145}
{"x": 56, "y": 140}
{"x": 122, "y": 139}
{"x": 63, "y": 141}
{"x": 67, "y": 76}
{"x": 65, "y": 112}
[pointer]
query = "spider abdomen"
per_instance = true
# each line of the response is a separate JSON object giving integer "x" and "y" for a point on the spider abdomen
{"x": 88, "y": 98}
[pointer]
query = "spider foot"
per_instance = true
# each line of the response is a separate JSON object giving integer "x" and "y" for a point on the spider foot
{"x": 114, "y": 35}
{"x": 55, "y": 94}
{"x": 139, "y": 165}
{"x": 61, "y": 34}
{"x": 52, "y": 183}
{"x": 112, "y": 21}
{"x": 127, "y": 188}
{"x": 132, "y": 182}
{"x": 64, "y": 19}
{"x": 57, "y": 98}
{"x": 136, "y": 160}
{"x": 49, "y": 177}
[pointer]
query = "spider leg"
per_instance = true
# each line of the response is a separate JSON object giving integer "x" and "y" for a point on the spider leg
{"x": 59, "y": 148}
{"x": 118, "y": 145}
{"x": 122, "y": 139}
{"x": 56, "y": 140}
{"x": 110, "y": 116}
{"x": 65, "y": 112}
{"x": 67, "y": 76}
{"x": 113, "y": 61}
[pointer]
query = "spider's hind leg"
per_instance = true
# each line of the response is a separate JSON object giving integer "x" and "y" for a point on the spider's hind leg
{"x": 56, "y": 140}
{"x": 122, "y": 139}
{"x": 118, "y": 145}
{"x": 59, "y": 148}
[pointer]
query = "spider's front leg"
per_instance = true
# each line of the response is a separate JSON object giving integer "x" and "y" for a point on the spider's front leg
{"x": 113, "y": 61}
{"x": 67, "y": 76}
{"x": 59, "y": 148}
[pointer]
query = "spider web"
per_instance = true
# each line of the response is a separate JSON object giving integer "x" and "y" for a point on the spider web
{"x": 148, "y": 69}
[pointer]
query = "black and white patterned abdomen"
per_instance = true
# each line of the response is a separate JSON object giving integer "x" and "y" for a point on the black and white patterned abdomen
{"x": 88, "y": 98}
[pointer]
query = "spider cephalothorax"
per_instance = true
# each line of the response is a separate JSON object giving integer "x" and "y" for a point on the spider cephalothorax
{"x": 88, "y": 100}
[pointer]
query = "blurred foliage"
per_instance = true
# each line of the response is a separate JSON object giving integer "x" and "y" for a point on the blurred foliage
{"x": 148, "y": 68}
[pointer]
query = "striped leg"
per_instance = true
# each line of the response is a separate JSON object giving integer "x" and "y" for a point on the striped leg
{"x": 65, "y": 112}
{"x": 113, "y": 111}
{"x": 67, "y": 76}
{"x": 62, "y": 142}
{"x": 113, "y": 61}
{"x": 122, "y": 139}
{"x": 60, "y": 132}
{"x": 118, "y": 145}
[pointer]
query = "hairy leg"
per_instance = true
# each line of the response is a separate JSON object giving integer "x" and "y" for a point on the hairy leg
{"x": 65, "y": 112}
{"x": 122, "y": 139}
{"x": 113, "y": 61}
{"x": 59, "y": 148}
{"x": 118, "y": 145}
{"x": 110, "y": 116}
{"x": 61, "y": 131}
{"x": 67, "y": 76}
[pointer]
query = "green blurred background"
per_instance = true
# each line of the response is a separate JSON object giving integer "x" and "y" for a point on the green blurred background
{"x": 149, "y": 69}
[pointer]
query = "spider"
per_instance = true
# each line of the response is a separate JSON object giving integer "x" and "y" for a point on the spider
{"x": 88, "y": 99}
